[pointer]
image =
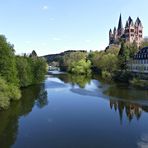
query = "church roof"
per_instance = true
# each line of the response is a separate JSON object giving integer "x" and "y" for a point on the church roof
{"x": 120, "y": 26}
{"x": 138, "y": 22}
{"x": 142, "y": 54}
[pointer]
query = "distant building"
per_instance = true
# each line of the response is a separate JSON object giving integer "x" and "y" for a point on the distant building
{"x": 139, "y": 63}
{"x": 130, "y": 33}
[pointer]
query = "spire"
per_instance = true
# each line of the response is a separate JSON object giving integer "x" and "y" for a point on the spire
{"x": 120, "y": 26}
{"x": 130, "y": 21}
{"x": 138, "y": 22}
{"x": 126, "y": 24}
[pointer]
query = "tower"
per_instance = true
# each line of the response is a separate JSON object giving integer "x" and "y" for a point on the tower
{"x": 110, "y": 37}
{"x": 120, "y": 30}
{"x": 115, "y": 33}
{"x": 138, "y": 31}
{"x": 130, "y": 30}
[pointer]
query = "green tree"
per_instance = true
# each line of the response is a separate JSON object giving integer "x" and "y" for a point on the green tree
{"x": 108, "y": 63}
{"x": 123, "y": 56}
{"x": 82, "y": 67}
{"x": 7, "y": 61}
{"x": 70, "y": 57}
{"x": 24, "y": 71}
{"x": 8, "y": 92}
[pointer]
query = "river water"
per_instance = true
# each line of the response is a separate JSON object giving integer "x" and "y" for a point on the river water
{"x": 69, "y": 111}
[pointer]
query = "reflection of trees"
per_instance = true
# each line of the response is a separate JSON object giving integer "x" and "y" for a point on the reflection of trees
{"x": 79, "y": 80}
{"x": 9, "y": 118}
{"x": 124, "y": 92}
{"x": 131, "y": 110}
{"x": 42, "y": 100}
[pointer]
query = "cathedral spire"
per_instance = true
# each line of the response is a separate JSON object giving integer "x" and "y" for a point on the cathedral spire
{"x": 120, "y": 26}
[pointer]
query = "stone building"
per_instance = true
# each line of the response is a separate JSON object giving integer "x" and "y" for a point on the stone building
{"x": 132, "y": 32}
{"x": 139, "y": 63}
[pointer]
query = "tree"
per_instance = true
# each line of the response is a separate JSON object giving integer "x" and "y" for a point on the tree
{"x": 8, "y": 92}
{"x": 7, "y": 61}
{"x": 71, "y": 57}
{"x": 123, "y": 56}
{"x": 108, "y": 63}
{"x": 81, "y": 67}
{"x": 24, "y": 71}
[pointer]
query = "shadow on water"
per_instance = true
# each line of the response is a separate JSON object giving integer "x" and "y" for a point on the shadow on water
{"x": 9, "y": 119}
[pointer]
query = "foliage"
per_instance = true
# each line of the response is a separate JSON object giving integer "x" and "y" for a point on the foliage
{"x": 139, "y": 83}
{"x": 30, "y": 70}
{"x": 123, "y": 56}
{"x": 95, "y": 57}
{"x": 108, "y": 62}
{"x": 81, "y": 67}
{"x": 16, "y": 72}
{"x": 24, "y": 71}
{"x": 113, "y": 50}
{"x": 8, "y": 92}
{"x": 144, "y": 44}
{"x": 7, "y": 62}
{"x": 39, "y": 70}
{"x": 70, "y": 57}
{"x": 106, "y": 75}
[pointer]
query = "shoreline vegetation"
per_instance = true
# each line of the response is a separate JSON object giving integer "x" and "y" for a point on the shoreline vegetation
{"x": 111, "y": 63}
{"x": 17, "y": 72}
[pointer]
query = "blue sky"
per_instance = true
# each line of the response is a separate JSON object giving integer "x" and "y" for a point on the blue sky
{"x": 52, "y": 26}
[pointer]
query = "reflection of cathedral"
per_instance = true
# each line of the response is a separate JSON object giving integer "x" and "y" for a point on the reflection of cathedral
{"x": 131, "y": 110}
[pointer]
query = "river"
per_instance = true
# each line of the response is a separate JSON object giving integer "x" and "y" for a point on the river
{"x": 69, "y": 111}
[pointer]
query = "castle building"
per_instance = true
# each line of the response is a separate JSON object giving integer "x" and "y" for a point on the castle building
{"x": 132, "y": 32}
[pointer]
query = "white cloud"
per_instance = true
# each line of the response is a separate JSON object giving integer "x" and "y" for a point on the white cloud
{"x": 45, "y": 7}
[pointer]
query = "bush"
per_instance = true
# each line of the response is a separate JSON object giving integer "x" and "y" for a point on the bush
{"x": 8, "y": 92}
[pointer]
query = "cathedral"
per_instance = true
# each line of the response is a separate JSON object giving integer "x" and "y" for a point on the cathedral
{"x": 132, "y": 32}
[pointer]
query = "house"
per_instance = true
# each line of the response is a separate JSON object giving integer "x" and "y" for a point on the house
{"x": 139, "y": 63}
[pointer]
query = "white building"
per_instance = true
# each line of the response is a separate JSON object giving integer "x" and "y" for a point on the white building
{"x": 139, "y": 63}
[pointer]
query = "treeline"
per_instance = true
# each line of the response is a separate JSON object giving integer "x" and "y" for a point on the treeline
{"x": 110, "y": 63}
{"x": 17, "y": 72}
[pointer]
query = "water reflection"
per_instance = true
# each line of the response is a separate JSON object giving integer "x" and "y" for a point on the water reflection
{"x": 131, "y": 110}
{"x": 122, "y": 91}
{"x": 42, "y": 99}
{"x": 81, "y": 80}
{"x": 80, "y": 108}
{"x": 9, "y": 119}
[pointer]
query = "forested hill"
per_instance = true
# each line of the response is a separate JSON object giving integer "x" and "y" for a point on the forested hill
{"x": 56, "y": 57}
